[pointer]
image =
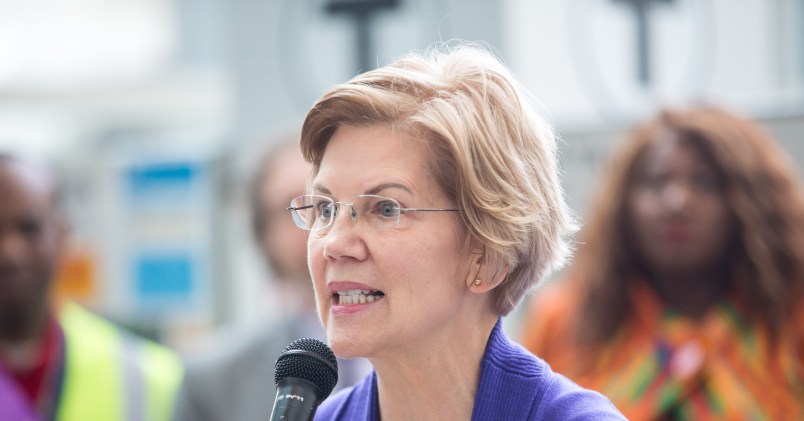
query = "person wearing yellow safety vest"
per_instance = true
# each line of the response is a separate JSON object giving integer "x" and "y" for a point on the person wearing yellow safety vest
{"x": 58, "y": 361}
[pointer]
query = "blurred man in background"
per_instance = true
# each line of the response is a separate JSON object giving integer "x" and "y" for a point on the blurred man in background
{"x": 235, "y": 380}
{"x": 58, "y": 361}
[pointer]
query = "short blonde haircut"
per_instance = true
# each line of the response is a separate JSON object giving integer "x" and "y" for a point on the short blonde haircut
{"x": 489, "y": 151}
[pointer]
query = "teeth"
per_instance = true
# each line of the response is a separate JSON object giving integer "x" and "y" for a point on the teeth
{"x": 357, "y": 296}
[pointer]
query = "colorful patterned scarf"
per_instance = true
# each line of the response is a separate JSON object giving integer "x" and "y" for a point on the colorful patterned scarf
{"x": 664, "y": 365}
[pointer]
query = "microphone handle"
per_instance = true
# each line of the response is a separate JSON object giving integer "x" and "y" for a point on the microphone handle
{"x": 296, "y": 400}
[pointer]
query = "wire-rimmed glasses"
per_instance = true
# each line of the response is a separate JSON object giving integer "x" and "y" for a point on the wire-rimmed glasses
{"x": 313, "y": 212}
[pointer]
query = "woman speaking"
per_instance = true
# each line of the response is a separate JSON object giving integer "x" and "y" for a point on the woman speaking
{"x": 434, "y": 206}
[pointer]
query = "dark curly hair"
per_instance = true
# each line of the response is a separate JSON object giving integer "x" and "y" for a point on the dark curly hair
{"x": 762, "y": 191}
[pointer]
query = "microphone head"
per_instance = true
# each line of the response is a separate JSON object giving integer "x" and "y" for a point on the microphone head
{"x": 311, "y": 360}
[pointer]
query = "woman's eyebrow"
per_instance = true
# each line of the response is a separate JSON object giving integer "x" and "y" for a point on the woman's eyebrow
{"x": 383, "y": 186}
{"x": 320, "y": 188}
{"x": 374, "y": 190}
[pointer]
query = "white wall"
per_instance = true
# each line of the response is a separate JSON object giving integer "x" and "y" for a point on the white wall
{"x": 578, "y": 56}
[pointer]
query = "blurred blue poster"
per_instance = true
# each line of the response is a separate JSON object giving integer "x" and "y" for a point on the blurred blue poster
{"x": 164, "y": 275}
{"x": 168, "y": 210}
{"x": 171, "y": 184}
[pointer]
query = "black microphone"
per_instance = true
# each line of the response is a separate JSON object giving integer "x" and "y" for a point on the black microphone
{"x": 306, "y": 372}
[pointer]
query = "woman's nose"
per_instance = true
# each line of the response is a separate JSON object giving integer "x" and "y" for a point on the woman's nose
{"x": 677, "y": 195}
{"x": 337, "y": 211}
{"x": 343, "y": 239}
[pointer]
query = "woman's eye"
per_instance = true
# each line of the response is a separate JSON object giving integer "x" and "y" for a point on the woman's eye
{"x": 388, "y": 209}
{"x": 655, "y": 181}
{"x": 708, "y": 182}
{"x": 325, "y": 210}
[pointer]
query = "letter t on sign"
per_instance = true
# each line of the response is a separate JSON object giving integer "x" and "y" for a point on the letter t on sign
{"x": 641, "y": 9}
{"x": 361, "y": 10}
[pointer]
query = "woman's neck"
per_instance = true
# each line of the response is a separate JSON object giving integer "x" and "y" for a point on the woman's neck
{"x": 691, "y": 292}
{"x": 436, "y": 381}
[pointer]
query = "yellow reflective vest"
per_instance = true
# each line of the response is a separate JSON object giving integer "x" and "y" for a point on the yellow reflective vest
{"x": 110, "y": 375}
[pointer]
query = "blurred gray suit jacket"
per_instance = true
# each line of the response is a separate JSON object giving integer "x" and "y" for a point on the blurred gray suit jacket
{"x": 236, "y": 381}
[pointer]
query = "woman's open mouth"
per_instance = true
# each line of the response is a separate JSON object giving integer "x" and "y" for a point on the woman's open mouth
{"x": 357, "y": 296}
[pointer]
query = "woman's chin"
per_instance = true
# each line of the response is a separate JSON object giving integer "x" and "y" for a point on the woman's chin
{"x": 347, "y": 348}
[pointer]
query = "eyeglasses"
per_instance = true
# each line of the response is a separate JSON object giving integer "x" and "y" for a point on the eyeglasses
{"x": 312, "y": 212}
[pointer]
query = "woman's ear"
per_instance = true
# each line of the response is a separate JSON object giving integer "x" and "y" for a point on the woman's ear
{"x": 484, "y": 275}
{"x": 488, "y": 278}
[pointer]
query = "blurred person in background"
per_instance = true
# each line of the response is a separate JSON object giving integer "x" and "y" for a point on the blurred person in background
{"x": 435, "y": 205}
{"x": 685, "y": 298}
{"x": 57, "y": 360}
{"x": 234, "y": 379}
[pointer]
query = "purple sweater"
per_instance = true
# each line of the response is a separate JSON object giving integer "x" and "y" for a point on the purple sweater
{"x": 514, "y": 385}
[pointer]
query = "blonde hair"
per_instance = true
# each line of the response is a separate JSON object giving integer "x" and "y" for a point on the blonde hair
{"x": 488, "y": 150}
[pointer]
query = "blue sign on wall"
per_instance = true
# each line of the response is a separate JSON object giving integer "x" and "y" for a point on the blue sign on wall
{"x": 164, "y": 275}
{"x": 167, "y": 206}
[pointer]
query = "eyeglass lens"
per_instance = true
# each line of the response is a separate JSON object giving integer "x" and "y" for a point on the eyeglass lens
{"x": 313, "y": 212}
